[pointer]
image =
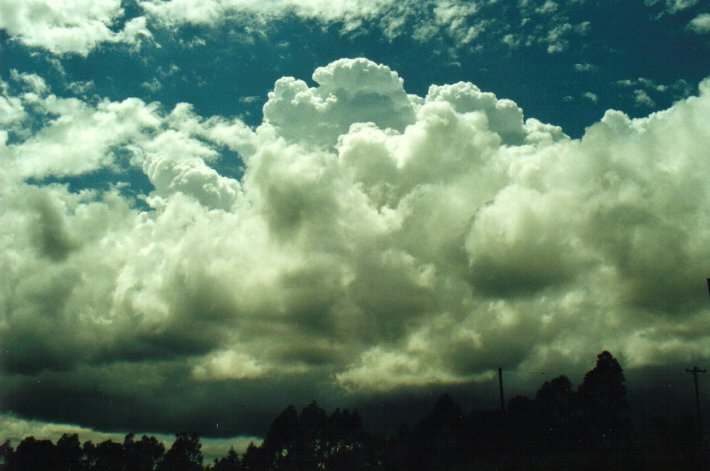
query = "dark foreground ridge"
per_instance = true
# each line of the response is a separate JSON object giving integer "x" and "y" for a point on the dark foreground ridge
{"x": 560, "y": 428}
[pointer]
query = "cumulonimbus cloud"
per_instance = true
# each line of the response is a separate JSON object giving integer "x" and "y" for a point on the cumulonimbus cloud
{"x": 376, "y": 240}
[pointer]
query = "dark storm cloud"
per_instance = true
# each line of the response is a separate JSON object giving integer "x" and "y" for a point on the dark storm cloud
{"x": 155, "y": 396}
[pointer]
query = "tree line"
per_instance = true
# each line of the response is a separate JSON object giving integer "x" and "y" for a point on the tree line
{"x": 559, "y": 428}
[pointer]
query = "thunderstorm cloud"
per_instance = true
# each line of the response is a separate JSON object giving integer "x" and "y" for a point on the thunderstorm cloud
{"x": 357, "y": 239}
{"x": 376, "y": 240}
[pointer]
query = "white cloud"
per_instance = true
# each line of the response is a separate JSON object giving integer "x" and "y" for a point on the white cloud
{"x": 211, "y": 11}
{"x": 545, "y": 23}
{"x": 673, "y": 6}
{"x": 556, "y": 38}
{"x": 349, "y": 91}
{"x": 511, "y": 40}
{"x": 678, "y": 5}
{"x": 454, "y": 17}
{"x": 68, "y": 26}
{"x": 548, "y": 7}
{"x": 700, "y": 24}
{"x": 642, "y": 86}
{"x": 652, "y": 85}
{"x": 35, "y": 83}
{"x": 80, "y": 26}
{"x": 11, "y": 110}
{"x": 376, "y": 240}
{"x": 78, "y": 138}
{"x": 227, "y": 365}
{"x": 591, "y": 96}
{"x": 641, "y": 98}
{"x": 384, "y": 371}
{"x": 585, "y": 67}
{"x": 191, "y": 177}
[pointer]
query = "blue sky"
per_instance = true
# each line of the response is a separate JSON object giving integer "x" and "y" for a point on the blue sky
{"x": 345, "y": 200}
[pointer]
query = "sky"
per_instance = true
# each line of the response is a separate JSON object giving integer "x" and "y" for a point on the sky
{"x": 212, "y": 209}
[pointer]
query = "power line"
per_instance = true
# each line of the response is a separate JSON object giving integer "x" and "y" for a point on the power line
{"x": 627, "y": 374}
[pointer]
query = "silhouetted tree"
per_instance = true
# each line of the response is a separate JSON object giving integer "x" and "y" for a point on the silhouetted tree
{"x": 226, "y": 463}
{"x": 437, "y": 441}
{"x": 523, "y": 421}
{"x": 313, "y": 440}
{"x": 88, "y": 453}
{"x": 34, "y": 455}
{"x": 487, "y": 432}
{"x": 309, "y": 450}
{"x": 555, "y": 413}
{"x": 106, "y": 456}
{"x": 69, "y": 453}
{"x": 603, "y": 404}
{"x": 281, "y": 439}
{"x": 348, "y": 446}
{"x": 184, "y": 455}
{"x": 142, "y": 455}
{"x": 256, "y": 459}
{"x": 396, "y": 450}
{"x": 6, "y": 453}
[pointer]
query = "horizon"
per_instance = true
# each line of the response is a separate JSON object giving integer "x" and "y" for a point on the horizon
{"x": 675, "y": 404}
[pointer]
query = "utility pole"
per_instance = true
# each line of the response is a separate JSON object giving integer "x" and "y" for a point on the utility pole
{"x": 700, "y": 450}
{"x": 695, "y": 370}
{"x": 500, "y": 387}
